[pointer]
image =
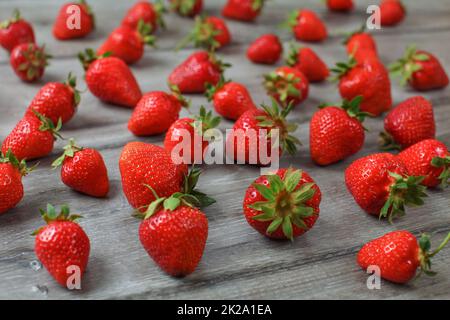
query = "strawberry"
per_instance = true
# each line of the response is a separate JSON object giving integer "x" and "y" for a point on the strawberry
{"x": 199, "y": 69}
{"x": 336, "y": 132}
{"x": 287, "y": 86}
{"x": 380, "y": 185}
{"x": 66, "y": 27}
{"x": 392, "y": 12}
{"x": 195, "y": 130}
{"x": 128, "y": 44}
{"x": 61, "y": 244}
{"x": 230, "y": 99}
{"x": 110, "y": 79}
{"x": 28, "y": 61}
{"x": 399, "y": 254}
{"x": 308, "y": 62}
{"x": 33, "y": 137}
{"x": 150, "y": 13}
{"x": 255, "y": 129}
{"x": 340, "y": 5}
{"x": 428, "y": 158}
{"x": 56, "y": 100}
{"x": 15, "y": 31}
{"x": 369, "y": 79}
{"x": 243, "y": 10}
{"x": 187, "y": 8}
{"x": 266, "y": 49}
{"x": 83, "y": 170}
{"x": 360, "y": 40}
{"x": 420, "y": 69}
{"x": 410, "y": 122}
{"x": 283, "y": 205}
{"x": 306, "y": 26}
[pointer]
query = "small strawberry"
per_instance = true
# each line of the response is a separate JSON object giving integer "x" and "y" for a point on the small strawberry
{"x": 15, "y": 31}
{"x": 230, "y": 99}
{"x": 66, "y": 27}
{"x": 410, "y": 122}
{"x": 56, "y": 100}
{"x": 392, "y": 12}
{"x": 61, "y": 244}
{"x": 243, "y": 10}
{"x": 150, "y": 13}
{"x": 340, "y": 5}
{"x": 287, "y": 86}
{"x": 187, "y": 8}
{"x": 360, "y": 40}
{"x": 307, "y": 26}
{"x": 399, "y": 254}
{"x": 428, "y": 158}
{"x": 110, "y": 79}
{"x": 83, "y": 170}
{"x": 420, "y": 69}
{"x": 308, "y": 62}
{"x": 266, "y": 49}
{"x": 380, "y": 185}
{"x": 283, "y": 205}
{"x": 28, "y": 61}
{"x": 336, "y": 132}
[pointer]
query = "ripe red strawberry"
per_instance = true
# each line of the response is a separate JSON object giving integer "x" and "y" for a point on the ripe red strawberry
{"x": 307, "y": 26}
{"x": 28, "y": 61}
{"x": 283, "y": 205}
{"x": 336, "y": 132}
{"x": 380, "y": 185}
{"x": 187, "y": 8}
{"x": 128, "y": 44}
{"x": 230, "y": 99}
{"x": 199, "y": 69}
{"x": 254, "y": 132}
{"x": 56, "y": 100}
{"x": 150, "y": 13}
{"x": 243, "y": 10}
{"x": 420, "y": 69}
{"x": 110, "y": 79}
{"x": 33, "y": 137}
{"x": 399, "y": 254}
{"x": 266, "y": 49}
{"x": 410, "y": 122}
{"x": 61, "y": 244}
{"x": 66, "y": 27}
{"x": 287, "y": 86}
{"x": 360, "y": 40}
{"x": 308, "y": 62}
{"x": 15, "y": 31}
{"x": 428, "y": 158}
{"x": 83, "y": 170}
{"x": 340, "y": 5}
{"x": 369, "y": 79}
{"x": 392, "y": 12}
{"x": 191, "y": 135}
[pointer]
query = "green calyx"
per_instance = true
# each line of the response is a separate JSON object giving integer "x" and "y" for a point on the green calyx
{"x": 89, "y": 56}
{"x": 404, "y": 191}
{"x": 387, "y": 143}
{"x": 183, "y": 7}
{"x": 10, "y": 158}
{"x": 284, "y": 205}
{"x": 15, "y": 18}
{"x": 342, "y": 68}
{"x": 425, "y": 255}
{"x": 35, "y": 60}
{"x": 205, "y": 121}
{"x": 177, "y": 94}
{"x": 219, "y": 64}
{"x": 202, "y": 35}
{"x": 48, "y": 125}
{"x": 160, "y": 9}
{"x": 406, "y": 66}
{"x": 444, "y": 163}
{"x": 69, "y": 151}
{"x": 145, "y": 31}
{"x": 283, "y": 85}
{"x": 212, "y": 89}
{"x": 258, "y": 4}
{"x": 72, "y": 83}
{"x": 292, "y": 56}
{"x": 51, "y": 215}
{"x": 291, "y": 20}
{"x": 352, "y": 108}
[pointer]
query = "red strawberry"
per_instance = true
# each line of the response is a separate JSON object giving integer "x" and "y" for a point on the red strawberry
{"x": 230, "y": 99}
{"x": 421, "y": 70}
{"x": 266, "y": 49}
{"x": 399, "y": 254}
{"x": 283, "y": 205}
{"x": 56, "y": 100}
{"x": 33, "y": 137}
{"x": 367, "y": 79}
{"x": 150, "y": 13}
{"x": 61, "y": 244}
{"x": 110, "y": 79}
{"x": 380, "y": 185}
{"x": 287, "y": 86}
{"x": 392, "y": 12}
{"x": 243, "y": 10}
{"x": 15, "y": 31}
{"x": 67, "y": 27}
{"x": 307, "y": 26}
{"x": 430, "y": 159}
{"x": 410, "y": 122}
{"x": 199, "y": 69}
{"x": 336, "y": 132}
{"x": 308, "y": 62}
{"x": 29, "y": 61}
{"x": 187, "y": 8}
{"x": 360, "y": 43}
{"x": 340, "y": 5}
{"x": 83, "y": 170}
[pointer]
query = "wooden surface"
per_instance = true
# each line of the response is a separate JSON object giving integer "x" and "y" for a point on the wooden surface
{"x": 238, "y": 262}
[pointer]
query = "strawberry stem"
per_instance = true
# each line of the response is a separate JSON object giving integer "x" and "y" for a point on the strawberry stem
{"x": 444, "y": 163}
{"x": 69, "y": 151}
{"x": 202, "y": 35}
{"x": 425, "y": 256}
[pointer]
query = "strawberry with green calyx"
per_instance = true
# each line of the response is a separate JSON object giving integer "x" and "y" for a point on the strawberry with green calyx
{"x": 187, "y": 8}
{"x": 28, "y": 61}
{"x": 243, "y": 10}
{"x": 307, "y": 62}
{"x": 265, "y": 49}
{"x": 150, "y": 13}
{"x": 444, "y": 164}
{"x": 15, "y": 31}
{"x": 306, "y": 26}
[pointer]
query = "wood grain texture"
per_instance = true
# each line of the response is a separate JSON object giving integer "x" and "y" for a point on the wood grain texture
{"x": 238, "y": 262}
